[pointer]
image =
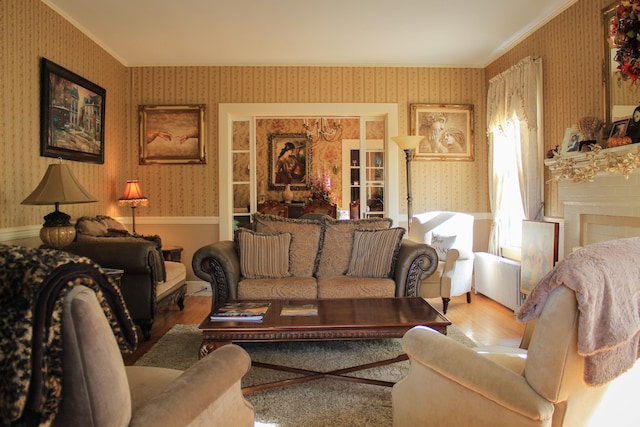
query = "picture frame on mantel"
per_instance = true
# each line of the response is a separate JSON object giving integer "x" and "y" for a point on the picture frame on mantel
{"x": 448, "y": 131}
{"x": 72, "y": 111}
{"x": 172, "y": 134}
{"x": 539, "y": 252}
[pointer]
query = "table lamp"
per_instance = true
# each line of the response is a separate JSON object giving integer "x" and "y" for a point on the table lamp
{"x": 133, "y": 197}
{"x": 58, "y": 187}
{"x": 408, "y": 144}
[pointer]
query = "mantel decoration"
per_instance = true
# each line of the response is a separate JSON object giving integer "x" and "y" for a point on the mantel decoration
{"x": 625, "y": 34}
{"x": 567, "y": 167}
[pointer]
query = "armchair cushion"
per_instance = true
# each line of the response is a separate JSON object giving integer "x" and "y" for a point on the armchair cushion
{"x": 442, "y": 244}
{"x": 374, "y": 252}
{"x": 263, "y": 256}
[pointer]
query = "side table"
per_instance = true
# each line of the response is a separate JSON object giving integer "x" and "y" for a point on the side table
{"x": 114, "y": 274}
{"x": 172, "y": 253}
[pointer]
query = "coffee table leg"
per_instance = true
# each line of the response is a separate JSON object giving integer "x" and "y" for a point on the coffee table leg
{"x": 209, "y": 346}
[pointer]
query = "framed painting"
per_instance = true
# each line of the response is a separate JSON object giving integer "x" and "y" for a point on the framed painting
{"x": 172, "y": 134}
{"x": 448, "y": 131}
{"x": 571, "y": 141}
{"x": 71, "y": 115}
{"x": 539, "y": 252}
{"x": 289, "y": 161}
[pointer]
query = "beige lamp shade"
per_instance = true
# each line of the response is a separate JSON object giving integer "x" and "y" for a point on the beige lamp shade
{"x": 58, "y": 186}
{"x": 409, "y": 142}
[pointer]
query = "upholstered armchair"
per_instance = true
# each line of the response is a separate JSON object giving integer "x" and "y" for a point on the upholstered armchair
{"x": 148, "y": 279}
{"x": 583, "y": 351}
{"x": 451, "y": 234}
{"x": 97, "y": 389}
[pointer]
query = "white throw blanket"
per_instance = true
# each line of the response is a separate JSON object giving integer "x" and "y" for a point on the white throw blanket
{"x": 606, "y": 279}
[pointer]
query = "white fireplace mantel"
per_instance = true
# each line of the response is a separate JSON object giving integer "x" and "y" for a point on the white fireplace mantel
{"x": 607, "y": 208}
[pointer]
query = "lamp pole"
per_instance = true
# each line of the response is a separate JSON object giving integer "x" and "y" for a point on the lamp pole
{"x": 408, "y": 144}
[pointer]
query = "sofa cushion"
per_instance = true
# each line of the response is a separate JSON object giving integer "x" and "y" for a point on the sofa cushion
{"x": 176, "y": 274}
{"x": 355, "y": 287}
{"x": 90, "y": 226}
{"x": 305, "y": 240}
{"x": 442, "y": 244}
{"x": 283, "y": 288}
{"x": 263, "y": 255}
{"x": 374, "y": 252}
{"x": 337, "y": 243}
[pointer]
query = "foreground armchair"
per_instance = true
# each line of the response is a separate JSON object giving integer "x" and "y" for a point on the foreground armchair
{"x": 570, "y": 363}
{"x": 97, "y": 389}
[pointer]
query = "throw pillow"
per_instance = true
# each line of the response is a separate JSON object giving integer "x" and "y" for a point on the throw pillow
{"x": 337, "y": 243}
{"x": 263, "y": 255}
{"x": 91, "y": 227}
{"x": 374, "y": 252}
{"x": 112, "y": 224}
{"x": 305, "y": 240}
{"x": 442, "y": 244}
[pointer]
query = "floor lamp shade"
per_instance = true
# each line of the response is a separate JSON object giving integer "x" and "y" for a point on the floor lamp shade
{"x": 58, "y": 187}
{"x": 408, "y": 144}
{"x": 133, "y": 197}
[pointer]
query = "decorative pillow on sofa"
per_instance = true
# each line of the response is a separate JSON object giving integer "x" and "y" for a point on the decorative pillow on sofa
{"x": 263, "y": 256}
{"x": 91, "y": 226}
{"x": 374, "y": 252}
{"x": 305, "y": 240}
{"x": 337, "y": 243}
{"x": 442, "y": 244}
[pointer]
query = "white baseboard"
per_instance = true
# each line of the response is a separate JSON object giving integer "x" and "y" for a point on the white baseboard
{"x": 198, "y": 288}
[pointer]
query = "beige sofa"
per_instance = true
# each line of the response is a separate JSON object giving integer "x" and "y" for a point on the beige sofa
{"x": 98, "y": 390}
{"x": 308, "y": 259}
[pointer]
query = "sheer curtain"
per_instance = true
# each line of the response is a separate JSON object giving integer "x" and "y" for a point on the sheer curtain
{"x": 514, "y": 112}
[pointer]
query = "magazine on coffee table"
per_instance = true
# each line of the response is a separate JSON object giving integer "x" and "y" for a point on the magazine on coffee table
{"x": 241, "y": 312}
{"x": 299, "y": 310}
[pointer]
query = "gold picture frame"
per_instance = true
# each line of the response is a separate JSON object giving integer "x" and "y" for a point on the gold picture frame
{"x": 172, "y": 134}
{"x": 448, "y": 131}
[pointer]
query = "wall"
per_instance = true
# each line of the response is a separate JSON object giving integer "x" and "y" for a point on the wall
{"x": 451, "y": 185}
{"x": 571, "y": 48}
{"x": 30, "y": 30}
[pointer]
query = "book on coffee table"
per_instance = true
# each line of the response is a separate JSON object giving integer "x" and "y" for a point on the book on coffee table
{"x": 299, "y": 310}
{"x": 241, "y": 312}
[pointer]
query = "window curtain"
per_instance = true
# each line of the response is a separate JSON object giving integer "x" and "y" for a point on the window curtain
{"x": 516, "y": 94}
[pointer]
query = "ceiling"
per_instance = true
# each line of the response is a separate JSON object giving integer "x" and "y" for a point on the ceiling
{"x": 430, "y": 33}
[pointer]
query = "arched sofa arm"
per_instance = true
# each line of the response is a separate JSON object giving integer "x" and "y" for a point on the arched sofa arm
{"x": 415, "y": 262}
{"x": 218, "y": 264}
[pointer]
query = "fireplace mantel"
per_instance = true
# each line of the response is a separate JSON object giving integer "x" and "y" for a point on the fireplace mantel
{"x": 605, "y": 209}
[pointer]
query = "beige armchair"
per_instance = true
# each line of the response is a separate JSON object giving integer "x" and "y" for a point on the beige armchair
{"x": 451, "y": 234}
{"x": 452, "y": 385}
{"x": 97, "y": 389}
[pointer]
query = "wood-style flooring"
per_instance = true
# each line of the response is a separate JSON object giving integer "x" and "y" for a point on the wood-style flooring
{"x": 484, "y": 321}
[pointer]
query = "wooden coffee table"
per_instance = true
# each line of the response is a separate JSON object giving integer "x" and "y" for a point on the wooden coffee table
{"x": 337, "y": 319}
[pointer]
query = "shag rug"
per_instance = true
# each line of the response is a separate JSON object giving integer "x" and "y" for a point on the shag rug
{"x": 324, "y": 402}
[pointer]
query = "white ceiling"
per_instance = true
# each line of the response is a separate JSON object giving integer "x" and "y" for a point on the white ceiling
{"x": 433, "y": 33}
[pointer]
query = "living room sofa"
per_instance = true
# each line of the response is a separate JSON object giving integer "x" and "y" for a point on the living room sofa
{"x": 148, "y": 280}
{"x": 281, "y": 258}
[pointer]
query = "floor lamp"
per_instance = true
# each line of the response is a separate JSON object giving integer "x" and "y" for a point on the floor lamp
{"x": 133, "y": 197}
{"x": 408, "y": 144}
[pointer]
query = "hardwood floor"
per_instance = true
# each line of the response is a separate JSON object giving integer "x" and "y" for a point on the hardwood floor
{"x": 484, "y": 321}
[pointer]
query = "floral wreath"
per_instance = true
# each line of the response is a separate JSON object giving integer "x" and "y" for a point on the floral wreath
{"x": 625, "y": 34}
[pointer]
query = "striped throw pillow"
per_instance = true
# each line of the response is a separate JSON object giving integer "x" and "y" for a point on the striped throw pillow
{"x": 374, "y": 252}
{"x": 263, "y": 256}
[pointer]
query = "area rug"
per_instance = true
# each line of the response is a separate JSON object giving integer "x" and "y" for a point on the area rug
{"x": 325, "y": 402}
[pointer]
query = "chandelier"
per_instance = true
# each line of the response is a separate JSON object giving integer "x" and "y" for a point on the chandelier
{"x": 322, "y": 130}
